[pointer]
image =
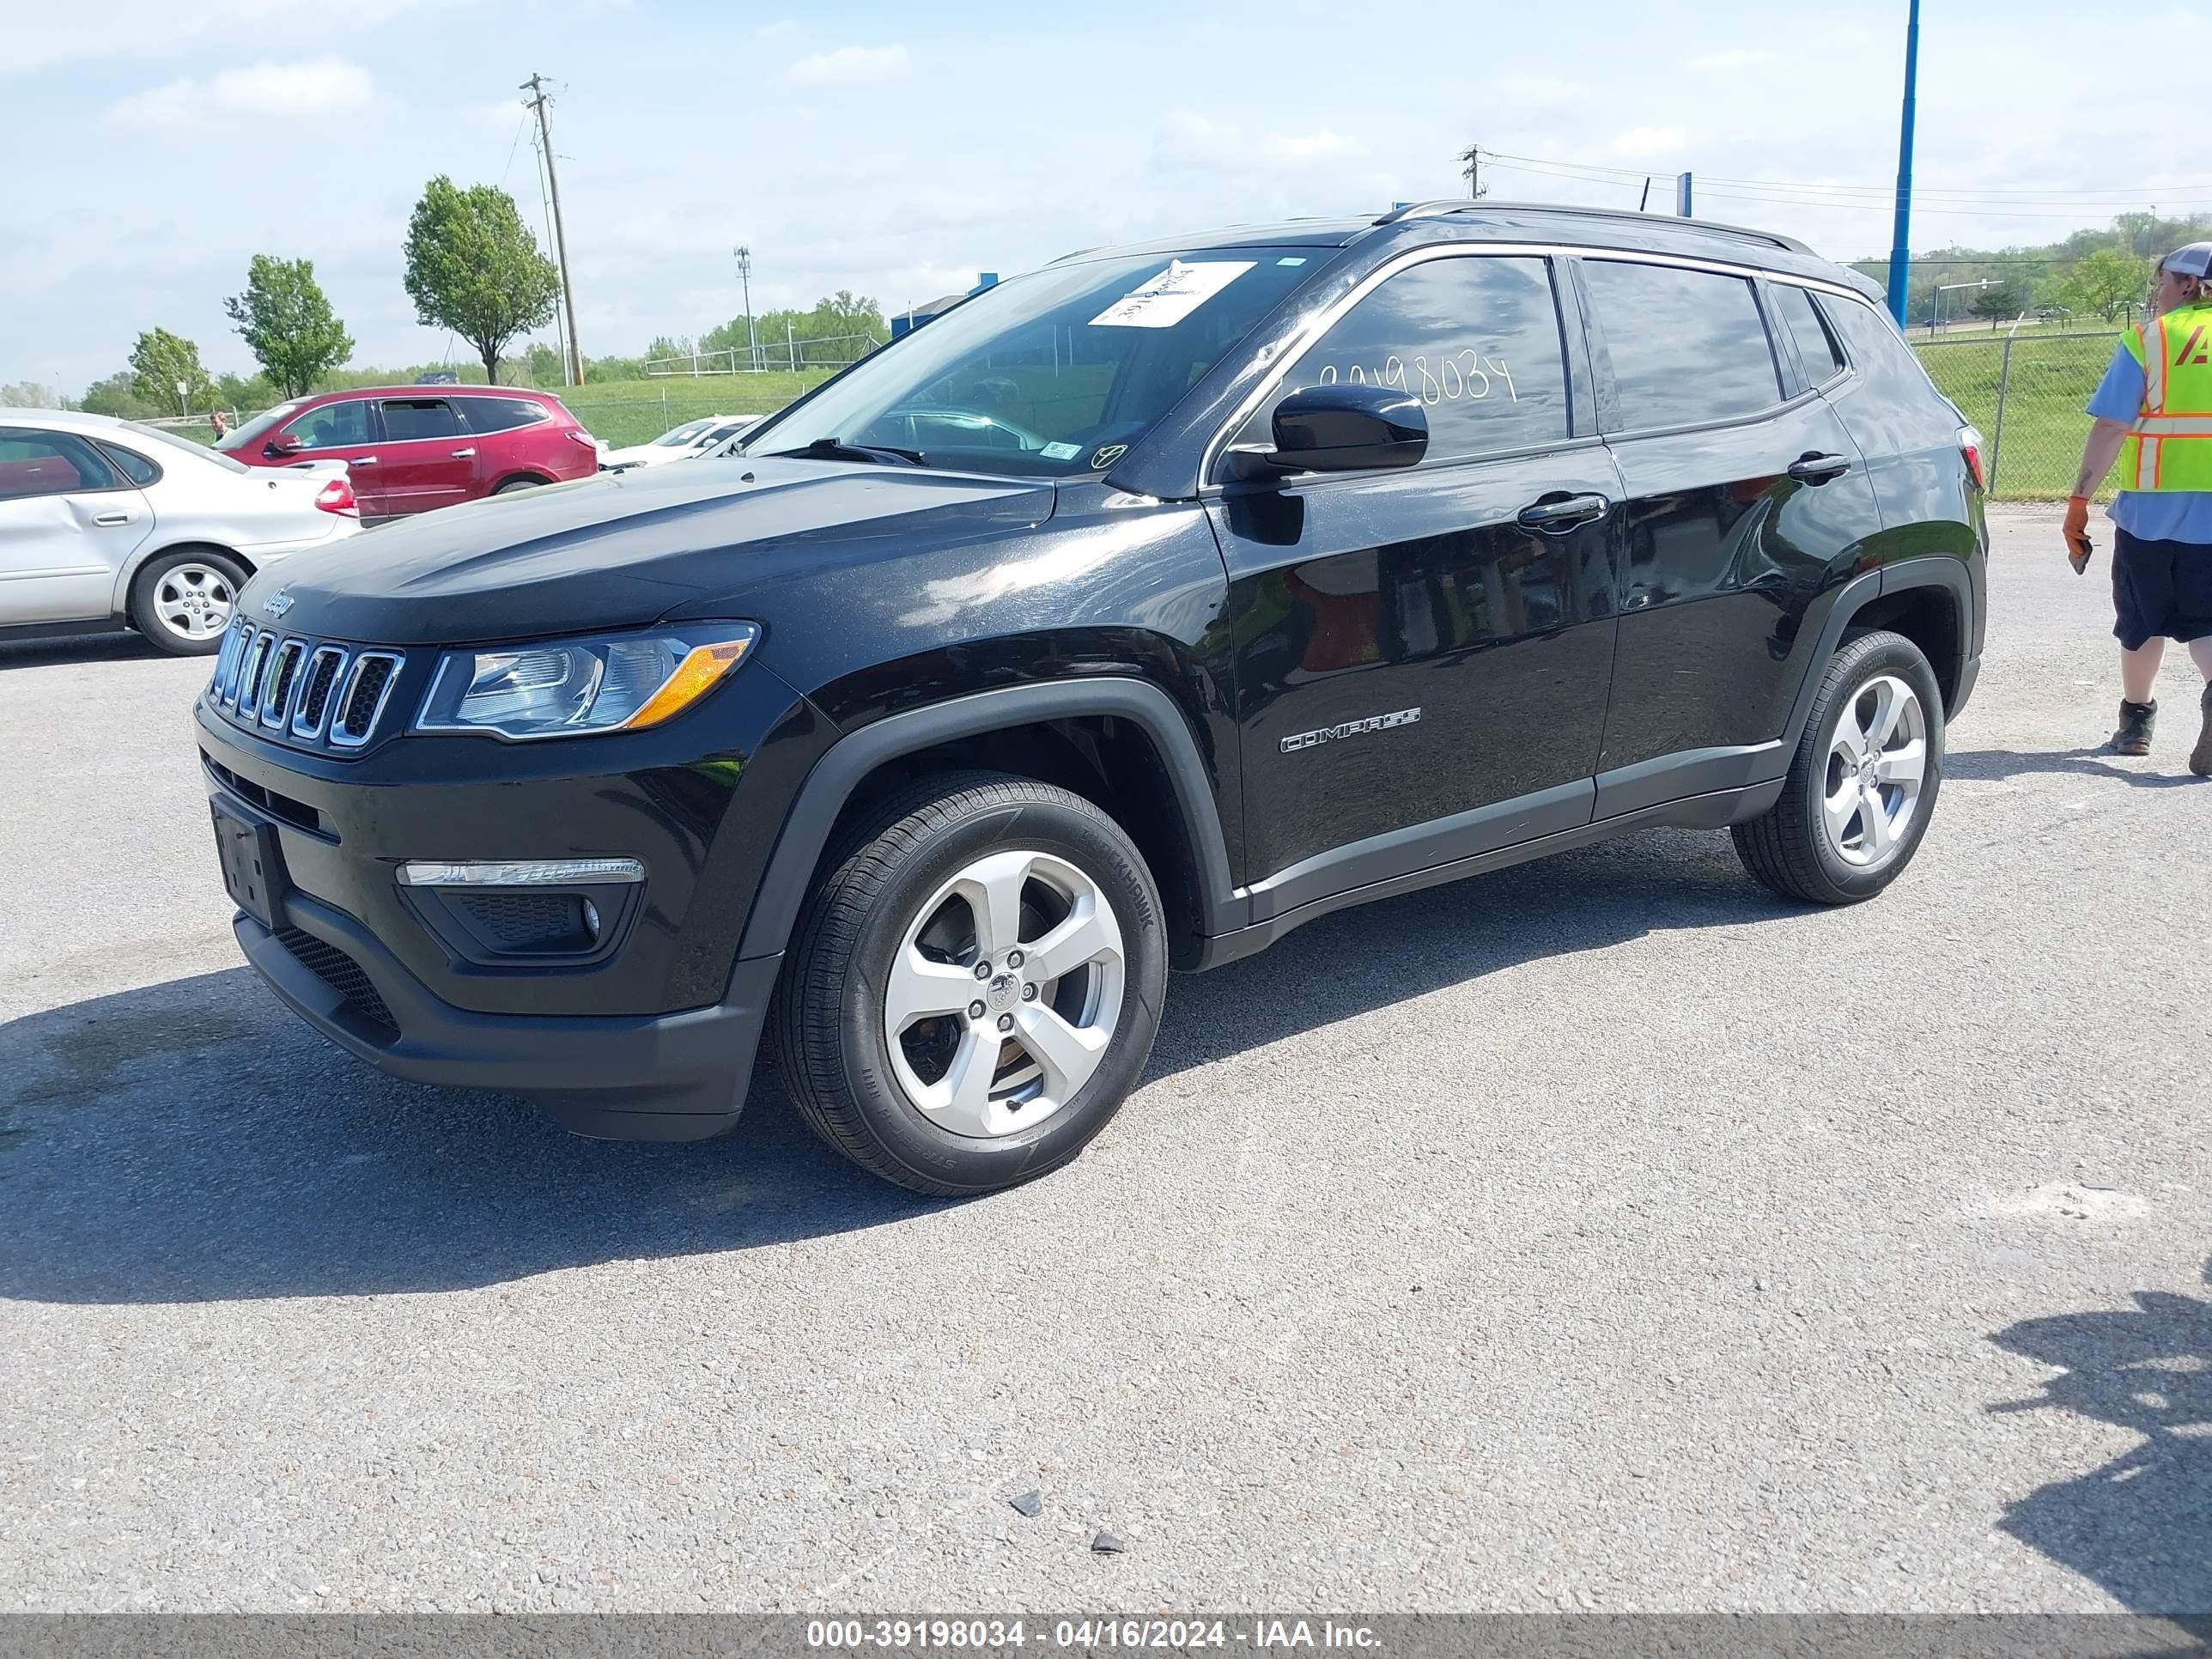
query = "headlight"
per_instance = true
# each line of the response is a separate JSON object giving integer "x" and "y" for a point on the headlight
{"x": 566, "y": 687}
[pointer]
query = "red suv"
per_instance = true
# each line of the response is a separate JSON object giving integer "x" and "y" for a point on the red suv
{"x": 411, "y": 448}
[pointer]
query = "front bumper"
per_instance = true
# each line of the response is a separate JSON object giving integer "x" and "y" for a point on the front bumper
{"x": 667, "y": 1077}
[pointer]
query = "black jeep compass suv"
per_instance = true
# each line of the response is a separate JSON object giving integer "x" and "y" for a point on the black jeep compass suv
{"x": 1124, "y": 617}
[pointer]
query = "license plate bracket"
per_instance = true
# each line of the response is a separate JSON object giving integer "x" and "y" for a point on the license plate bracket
{"x": 253, "y": 866}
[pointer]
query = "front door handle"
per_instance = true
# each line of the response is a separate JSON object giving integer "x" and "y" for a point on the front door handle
{"x": 113, "y": 518}
{"x": 1814, "y": 468}
{"x": 360, "y": 460}
{"x": 463, "y": 454}
{"x": 1564, "y": 512}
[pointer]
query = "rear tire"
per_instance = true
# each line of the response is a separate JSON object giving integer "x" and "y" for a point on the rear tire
{"x": 514, "y": 485}
{"x": 878, "y": 1035}
{"x": 1862, "y": 786}
{"x": 183, "y": 601}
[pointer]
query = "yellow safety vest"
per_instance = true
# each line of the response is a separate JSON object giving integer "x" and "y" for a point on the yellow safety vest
{"x": 2170, "y": 448}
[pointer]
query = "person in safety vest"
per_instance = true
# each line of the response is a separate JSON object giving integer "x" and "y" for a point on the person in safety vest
{"x": 2154, "y": 413}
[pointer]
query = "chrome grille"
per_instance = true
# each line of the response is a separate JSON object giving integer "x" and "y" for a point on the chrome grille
{"x": 321, "y": 680}
{"x": 367, "y": 689}
{"x": 250, "y": 678}
{"x": 283, "y": 675}
{"x": 314, "y": 692}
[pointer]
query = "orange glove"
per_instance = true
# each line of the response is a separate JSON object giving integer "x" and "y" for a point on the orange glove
{"x": 2076, "y": 531}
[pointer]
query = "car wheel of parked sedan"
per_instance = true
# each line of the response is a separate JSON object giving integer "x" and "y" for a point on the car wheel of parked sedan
{"x": 183, "y": 599}
{"x": 1862, "y": 786}
{"x": 513, "y": 485}
{"x": 976, "y": 985}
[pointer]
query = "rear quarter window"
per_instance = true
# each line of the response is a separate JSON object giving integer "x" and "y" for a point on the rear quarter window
{"x": 499, "y": 414}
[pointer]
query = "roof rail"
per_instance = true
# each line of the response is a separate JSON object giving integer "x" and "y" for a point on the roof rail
{"x": 1445, "y": 206}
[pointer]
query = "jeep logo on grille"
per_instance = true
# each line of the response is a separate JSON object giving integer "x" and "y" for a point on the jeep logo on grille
{"x": 278, "y": 603}
{"x": 1350, "y": 729}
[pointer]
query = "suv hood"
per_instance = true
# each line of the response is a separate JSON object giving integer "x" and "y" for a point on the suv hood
{"x": 622, "y": 549}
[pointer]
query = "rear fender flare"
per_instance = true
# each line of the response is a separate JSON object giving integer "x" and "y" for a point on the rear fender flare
{"x": 1949, "y": 574}
{"x": 821, "y": 798}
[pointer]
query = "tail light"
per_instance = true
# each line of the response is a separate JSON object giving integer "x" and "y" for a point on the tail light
{"x": 578, "y": 436}
{"x": 1970, "y": 446}
{"x": 337, "y": 497}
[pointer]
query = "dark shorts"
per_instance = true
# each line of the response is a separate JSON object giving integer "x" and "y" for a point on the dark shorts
{"x": 2159, "y": 589}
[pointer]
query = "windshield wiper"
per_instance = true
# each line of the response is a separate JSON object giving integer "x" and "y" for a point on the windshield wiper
{"x": 836, "y": 449}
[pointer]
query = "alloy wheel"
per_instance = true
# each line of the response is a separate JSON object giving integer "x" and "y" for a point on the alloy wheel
{"x": 1005, "y": 994}
{"x": 194, "y": 601}
{"x": 1877, "y": 765}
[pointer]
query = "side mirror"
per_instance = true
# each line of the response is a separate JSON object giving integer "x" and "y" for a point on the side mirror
{"x": 1344, "y": 429}
{"x": 287, "y": 445}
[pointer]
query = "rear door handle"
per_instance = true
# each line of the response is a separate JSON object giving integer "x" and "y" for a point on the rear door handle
{"x": 360, "y": 460}
{"x": 113, "y": 518}
{"x": 1563, "y": 513}
{"x": 463, "y": 454}
{"x": 1814, "y": 468}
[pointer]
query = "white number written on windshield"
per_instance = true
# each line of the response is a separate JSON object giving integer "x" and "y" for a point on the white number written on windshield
{"x": 1466, "y": 376}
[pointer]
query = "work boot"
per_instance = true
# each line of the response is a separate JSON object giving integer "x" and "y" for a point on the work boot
{"x": 2137, "y": 721}
{"x": 2200, "y": 758}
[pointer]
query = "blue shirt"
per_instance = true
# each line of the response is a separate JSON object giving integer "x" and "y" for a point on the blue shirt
{"x": 2150, "y": 515}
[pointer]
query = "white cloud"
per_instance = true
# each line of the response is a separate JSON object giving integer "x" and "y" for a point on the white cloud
{"x": 778, "y": 30}
{"x": 1740, "y": 58}
{"x": 849, "y": 66}
{"x": 1644, "y": 144}
{"x": 325, "y": 85}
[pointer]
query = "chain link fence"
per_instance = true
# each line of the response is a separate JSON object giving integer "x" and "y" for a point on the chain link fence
{"x": 791, "y": 355}
{"x": 2026, "y": 394}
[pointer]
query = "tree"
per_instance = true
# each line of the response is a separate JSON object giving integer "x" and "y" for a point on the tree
{"x": 243, "y": 393}
{"x": 288, "y": 325}
{"x": 542, "y": 364}
{"x": 2005, "y": 300}
{"x": 27, "y": 394}
{"x": 473, "y": 267}
{"x": 2105, "y": 282}
{"x": 117, "y": 395}
{"x": 162, "y": 362}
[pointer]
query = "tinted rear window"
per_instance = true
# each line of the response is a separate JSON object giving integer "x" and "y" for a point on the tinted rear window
{"x": 1688, "y": 346}
{"x": 498, "y": 414}
{"x": 1803, "y": 319}
{"x": 406, "y": 418}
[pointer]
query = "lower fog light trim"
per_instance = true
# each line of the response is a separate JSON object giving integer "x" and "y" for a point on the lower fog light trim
{"x": 541, "y": 872}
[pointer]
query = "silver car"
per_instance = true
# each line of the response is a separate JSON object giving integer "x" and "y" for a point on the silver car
{"x": 105, "y": 521}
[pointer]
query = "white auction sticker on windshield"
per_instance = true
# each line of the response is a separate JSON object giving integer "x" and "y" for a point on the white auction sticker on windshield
{"x": 1165, "y": 299}
{"x": 1060, "y": 452}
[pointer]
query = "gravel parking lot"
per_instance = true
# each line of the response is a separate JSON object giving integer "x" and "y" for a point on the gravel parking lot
{"x": 1600, "y": 1234}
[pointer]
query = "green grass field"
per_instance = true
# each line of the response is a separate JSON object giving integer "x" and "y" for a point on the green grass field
{"x": 633, "y": 411}
{"x": 2038, "y": 446}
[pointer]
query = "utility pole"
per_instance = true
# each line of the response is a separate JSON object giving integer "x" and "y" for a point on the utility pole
{"x": 1471, "y": 159}
{"x": 1900, "y": 246}
{"x": 535, "y": 87}
{"x": 745, "y": 277}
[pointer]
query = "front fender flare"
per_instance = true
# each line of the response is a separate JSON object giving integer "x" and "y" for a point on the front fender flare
{"x": 831, "y": 782}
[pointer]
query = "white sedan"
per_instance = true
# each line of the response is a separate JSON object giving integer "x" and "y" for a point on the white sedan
{"x": 692, "y": 438}
{"x": 105, "y": 521}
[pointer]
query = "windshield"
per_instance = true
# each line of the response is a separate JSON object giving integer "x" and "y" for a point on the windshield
{"x": 238, "y": 436}
{"x": 1052, "y": 374}
{"x": 198, "y": 451}
{"x": 684, "y": 434}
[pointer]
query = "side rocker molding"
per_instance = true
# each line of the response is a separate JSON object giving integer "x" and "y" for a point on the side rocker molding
{"x": 851, "y": 757}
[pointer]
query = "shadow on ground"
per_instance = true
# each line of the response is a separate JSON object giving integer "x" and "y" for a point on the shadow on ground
{"x": 2141, "y": 1527}
{"x": 193, "y": 1141}
{"x": 1997, "y": 763}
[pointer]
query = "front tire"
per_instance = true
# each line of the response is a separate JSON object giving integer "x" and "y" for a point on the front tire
{"x": 976, "y": 985}
{"x": 183, "y": 601}
{"x": 1862, "y": 786}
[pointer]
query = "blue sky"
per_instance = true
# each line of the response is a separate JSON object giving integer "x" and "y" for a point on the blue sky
{"x": 898, "y": 149}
